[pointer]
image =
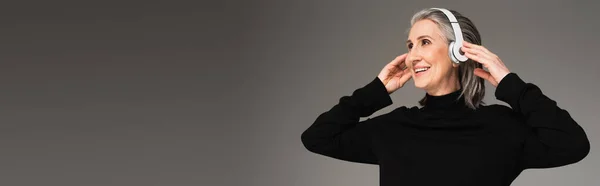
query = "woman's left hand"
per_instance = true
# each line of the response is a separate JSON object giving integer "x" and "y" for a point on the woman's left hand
{"x": 496, "y": 68}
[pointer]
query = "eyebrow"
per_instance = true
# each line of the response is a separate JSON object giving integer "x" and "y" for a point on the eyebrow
{"x": 419, "y": 38}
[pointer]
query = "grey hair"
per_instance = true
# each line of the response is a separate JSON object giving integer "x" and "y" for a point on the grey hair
{"x": 473, "y": 87}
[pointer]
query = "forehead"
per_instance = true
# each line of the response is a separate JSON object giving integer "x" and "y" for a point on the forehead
{"x": 424, "y": 27}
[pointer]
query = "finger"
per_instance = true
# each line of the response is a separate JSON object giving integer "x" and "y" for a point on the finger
{"x": 468, "y": 44}
{"x": 484, "y": 49}
{"x": 482, "y": 73}
{"x": 474, "y": 47}
{"x": 402, "y": 73}
{"x": 474, "y": 51}
{"x": 485, "y": 75}
{"x": 405, "y": 76}
{"x": 484, "y": 56}
{"x": 403, "y": 65}
{"x": 475, "y": 56}
{"x": 478, "y": 47}
{"x": 398, "y": 60}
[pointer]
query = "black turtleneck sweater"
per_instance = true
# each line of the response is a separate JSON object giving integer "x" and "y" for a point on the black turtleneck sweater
{"x": 447, "y": 143}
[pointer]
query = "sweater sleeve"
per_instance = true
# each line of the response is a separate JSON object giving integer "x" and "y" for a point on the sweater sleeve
{"x": 337, "y": 133}
{"x": 554, "y": 138}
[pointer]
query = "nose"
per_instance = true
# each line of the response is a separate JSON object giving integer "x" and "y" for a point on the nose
{"x": 413, "y": 57}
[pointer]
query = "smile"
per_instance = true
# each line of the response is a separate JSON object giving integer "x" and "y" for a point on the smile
{"x": 419, "y": 70}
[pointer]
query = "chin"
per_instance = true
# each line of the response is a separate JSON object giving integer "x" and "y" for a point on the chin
{"x": 421, "y": 84}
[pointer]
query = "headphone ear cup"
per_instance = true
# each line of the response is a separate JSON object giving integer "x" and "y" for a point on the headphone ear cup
{"x": 451, "y": 52}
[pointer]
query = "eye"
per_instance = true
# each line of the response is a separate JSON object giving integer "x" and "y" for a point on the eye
{"x": 426, "y": 41}
{"x": 410, "y": 45}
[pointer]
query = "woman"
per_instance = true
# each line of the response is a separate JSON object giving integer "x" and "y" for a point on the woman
{"x": 453, "y": 138}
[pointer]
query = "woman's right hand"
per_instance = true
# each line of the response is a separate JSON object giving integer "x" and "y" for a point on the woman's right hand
{"x": 395, "y": 74}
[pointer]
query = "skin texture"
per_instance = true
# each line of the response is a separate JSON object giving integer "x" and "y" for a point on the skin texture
{"x": 428, "y": 48}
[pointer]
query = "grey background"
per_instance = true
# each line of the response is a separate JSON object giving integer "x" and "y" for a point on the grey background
{"x": 218, "y": 93}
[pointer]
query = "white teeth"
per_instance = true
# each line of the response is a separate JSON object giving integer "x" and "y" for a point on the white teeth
{"x": 421, "y": 69}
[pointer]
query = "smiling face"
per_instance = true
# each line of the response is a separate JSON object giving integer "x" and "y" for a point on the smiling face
{"x": 431, "y": 67}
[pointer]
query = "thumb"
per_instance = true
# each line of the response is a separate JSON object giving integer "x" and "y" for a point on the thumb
{"x": 405, "y": 76}
{"x": 485, "y": 75}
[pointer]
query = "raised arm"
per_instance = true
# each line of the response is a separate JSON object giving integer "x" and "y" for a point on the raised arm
{"x": 337, "y": 133}
{"x": 555, "y": 139}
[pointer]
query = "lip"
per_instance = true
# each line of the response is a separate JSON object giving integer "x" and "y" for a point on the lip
{"x": 421, "y": 73}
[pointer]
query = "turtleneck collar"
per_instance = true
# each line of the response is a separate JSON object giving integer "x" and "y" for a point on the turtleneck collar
{"x": 452, "y": 100}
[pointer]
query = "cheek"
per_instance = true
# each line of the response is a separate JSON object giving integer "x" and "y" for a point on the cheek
{"x": 432, "y": 57}
{"x": 439, "y": 56}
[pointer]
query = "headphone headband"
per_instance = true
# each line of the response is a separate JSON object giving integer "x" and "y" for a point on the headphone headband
{"x": 455, "y": 46}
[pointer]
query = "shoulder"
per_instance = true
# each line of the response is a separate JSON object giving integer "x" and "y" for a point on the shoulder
{"x": 403, "y": 114}
{"x": 497, "y": 113}
{"x": 498, "y": 110}
{"x": 495, "y": 108}
{"x": 405, "y": 111}
{"x": 397, "y": 114}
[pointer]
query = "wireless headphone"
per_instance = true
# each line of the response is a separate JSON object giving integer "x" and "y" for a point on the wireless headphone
{"x": 454, "y": 48}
